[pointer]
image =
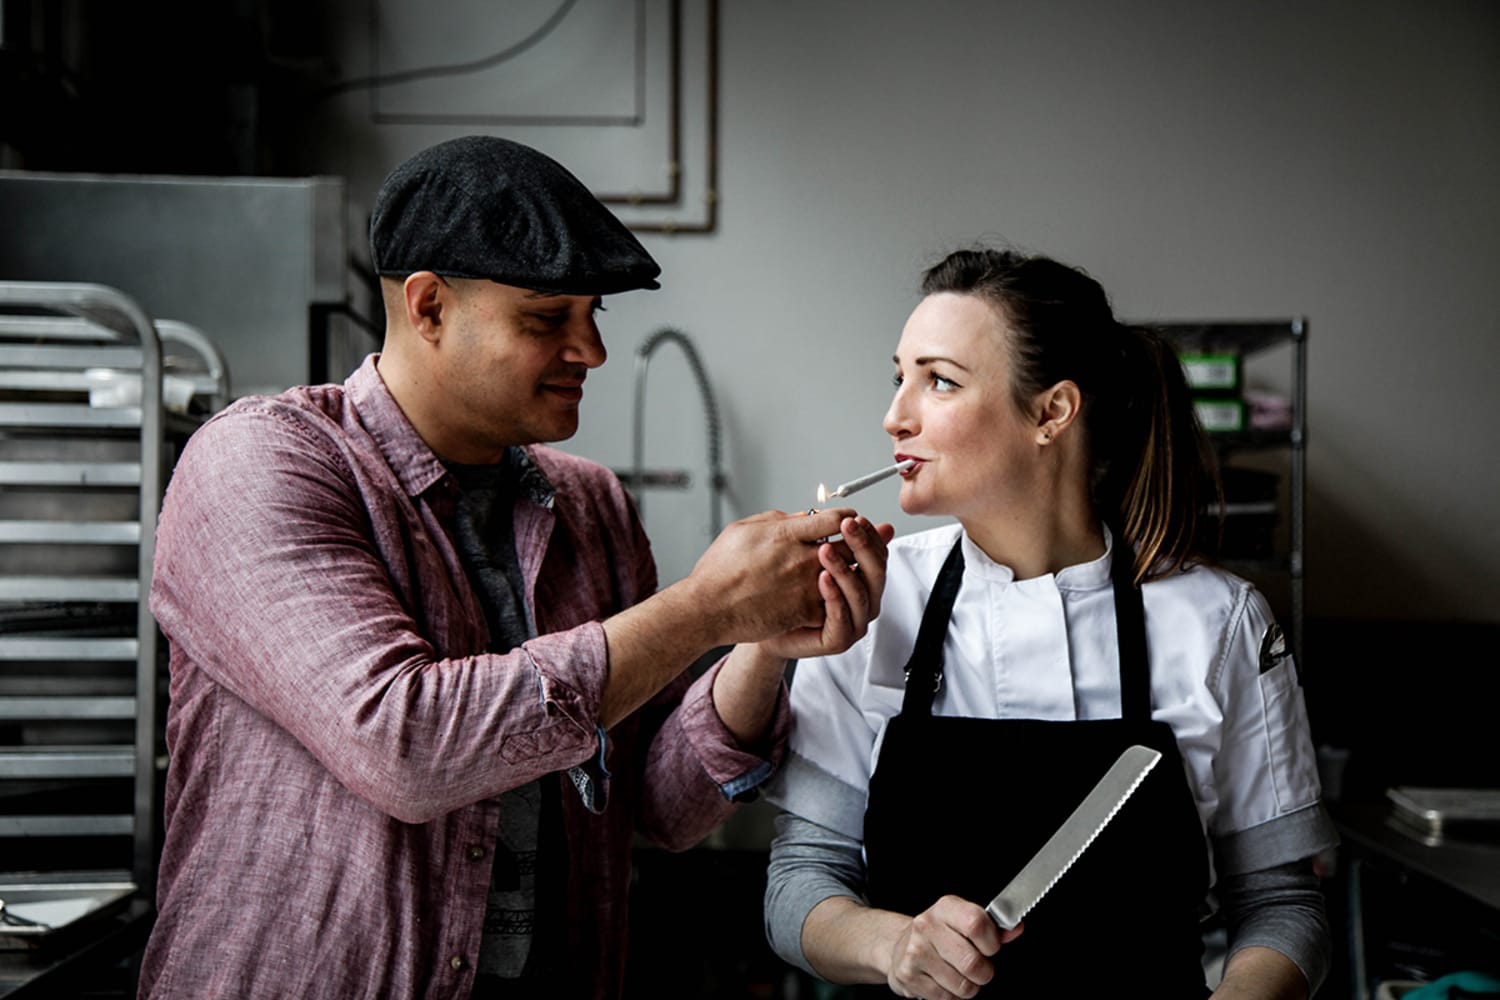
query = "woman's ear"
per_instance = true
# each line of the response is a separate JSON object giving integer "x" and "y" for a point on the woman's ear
{"x": 426, "y": 298}
{"x": 1057, "y": 408}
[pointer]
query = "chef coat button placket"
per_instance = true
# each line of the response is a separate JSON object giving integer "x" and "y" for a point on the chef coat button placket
{"x": 476, "y": 853}
{"x": 457, "y": 961}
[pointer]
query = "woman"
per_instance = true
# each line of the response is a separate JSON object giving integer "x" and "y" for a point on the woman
{"x": 1009, "y": 667}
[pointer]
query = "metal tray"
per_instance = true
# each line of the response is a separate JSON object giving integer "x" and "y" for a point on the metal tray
{"x": 53, "y": 907}
{"x": 1436, "y": 811}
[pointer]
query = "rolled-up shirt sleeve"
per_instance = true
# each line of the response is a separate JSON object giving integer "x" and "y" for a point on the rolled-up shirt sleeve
{"x": 1281, "y": 908}
{"x": 809, "y": 863}
{"x": 738, "y": 771}
{"x": 695, "y": 771}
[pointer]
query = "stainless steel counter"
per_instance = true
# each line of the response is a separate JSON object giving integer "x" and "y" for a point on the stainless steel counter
{"x": 78, "y": 959}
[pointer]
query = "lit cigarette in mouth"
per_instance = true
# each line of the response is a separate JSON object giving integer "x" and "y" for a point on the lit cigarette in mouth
{"x": 855, "y": 485}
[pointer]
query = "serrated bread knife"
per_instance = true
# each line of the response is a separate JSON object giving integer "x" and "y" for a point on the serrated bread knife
{"x": 1072, "y": 838}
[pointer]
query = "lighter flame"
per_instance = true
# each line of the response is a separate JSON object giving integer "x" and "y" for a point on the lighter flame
{"x": 822, "y": 493}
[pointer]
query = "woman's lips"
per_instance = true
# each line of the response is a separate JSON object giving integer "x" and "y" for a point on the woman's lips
{"x": 913, "y": 470}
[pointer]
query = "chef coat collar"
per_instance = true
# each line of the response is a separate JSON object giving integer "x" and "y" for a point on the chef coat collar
{"x": 1091, "y": 575}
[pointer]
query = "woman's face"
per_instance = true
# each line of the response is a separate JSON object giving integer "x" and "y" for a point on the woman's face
{"x": 953, "y": 411}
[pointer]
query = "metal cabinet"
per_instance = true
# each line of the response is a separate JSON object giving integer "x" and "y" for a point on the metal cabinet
{"x": 86, "y": 441}
{"x": 1261, "y": 449}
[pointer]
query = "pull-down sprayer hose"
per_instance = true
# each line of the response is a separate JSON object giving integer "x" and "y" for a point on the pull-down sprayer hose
{"x": 642, "y": 363}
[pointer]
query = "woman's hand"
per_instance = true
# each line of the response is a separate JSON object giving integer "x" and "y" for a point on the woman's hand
{"x": 945, "y": 951}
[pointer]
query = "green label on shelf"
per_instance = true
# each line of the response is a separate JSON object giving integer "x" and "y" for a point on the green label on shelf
{"x": 1220, "y": 415}
{"x": 1212, "y": 371}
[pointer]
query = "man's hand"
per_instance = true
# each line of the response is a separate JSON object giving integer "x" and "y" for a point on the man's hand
{"x": 850, "y": 581}
{"x": 851, "y": 585}
{"x": 760, "y": 577}
{"x": 767, "y": 576}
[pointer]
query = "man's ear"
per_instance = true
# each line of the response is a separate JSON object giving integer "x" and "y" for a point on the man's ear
{"x": 1057, "y": 408}
{"x": 427, "y": 299}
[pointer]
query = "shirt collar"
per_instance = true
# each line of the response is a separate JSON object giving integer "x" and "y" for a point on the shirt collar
{"x": 405, "y": 452}
{"x": 1083, "y": 576}
{"x": 1092, "y": 574}
{"x": 415, "y": 464}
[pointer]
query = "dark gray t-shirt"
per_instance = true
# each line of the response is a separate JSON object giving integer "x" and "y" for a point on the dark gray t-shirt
{"x": 486, "y": 545}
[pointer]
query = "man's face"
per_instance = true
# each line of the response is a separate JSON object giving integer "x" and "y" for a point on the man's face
{"x": 510, "y": 367}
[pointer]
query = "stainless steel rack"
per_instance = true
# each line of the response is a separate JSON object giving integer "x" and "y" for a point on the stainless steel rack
{"x": 85, "y": 445}
{"x": 1250, "y": 340}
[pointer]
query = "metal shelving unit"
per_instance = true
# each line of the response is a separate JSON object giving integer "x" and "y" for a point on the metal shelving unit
{"x": 1249, "y": 340}
{"x": 85, "y": 446}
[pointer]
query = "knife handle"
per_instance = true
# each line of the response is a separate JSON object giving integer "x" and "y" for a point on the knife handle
{"x": 1003, "y": 912}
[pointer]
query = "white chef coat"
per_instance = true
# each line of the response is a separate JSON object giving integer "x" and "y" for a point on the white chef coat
{"x": 1046, "y": 648}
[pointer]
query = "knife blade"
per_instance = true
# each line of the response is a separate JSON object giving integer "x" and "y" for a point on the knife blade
{"x": 1077, "y": 832}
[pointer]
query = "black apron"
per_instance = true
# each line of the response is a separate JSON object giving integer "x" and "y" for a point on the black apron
{"x": 958, "y": 805}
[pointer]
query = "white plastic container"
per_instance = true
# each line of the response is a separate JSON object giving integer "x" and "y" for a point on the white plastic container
{"x": 111, "y": 388}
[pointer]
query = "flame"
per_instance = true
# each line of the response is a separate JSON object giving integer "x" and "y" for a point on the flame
{"x": 822, "y": 493}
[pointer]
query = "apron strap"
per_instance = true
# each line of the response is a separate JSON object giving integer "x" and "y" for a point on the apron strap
{"x": 924, "y": 671}
{"x": 1130, "y": 633}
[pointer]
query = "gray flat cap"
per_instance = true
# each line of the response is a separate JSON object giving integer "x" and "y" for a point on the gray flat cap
{"x": 485, "y": 207}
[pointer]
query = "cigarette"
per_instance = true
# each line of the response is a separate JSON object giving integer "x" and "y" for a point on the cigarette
{"x": 855, "y": 485}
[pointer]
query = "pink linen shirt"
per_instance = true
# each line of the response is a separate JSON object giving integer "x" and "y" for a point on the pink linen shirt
{"x": 338, "y": 737}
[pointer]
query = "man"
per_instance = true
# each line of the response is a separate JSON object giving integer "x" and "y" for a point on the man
{"x": 423, "y": 690}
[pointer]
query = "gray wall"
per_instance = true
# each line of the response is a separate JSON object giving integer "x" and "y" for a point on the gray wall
{"x": 1204, "y": 160}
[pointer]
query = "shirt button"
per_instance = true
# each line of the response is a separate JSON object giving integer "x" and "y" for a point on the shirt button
{"x": 457, "y": 961}
{"x": 476, "y": 853}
